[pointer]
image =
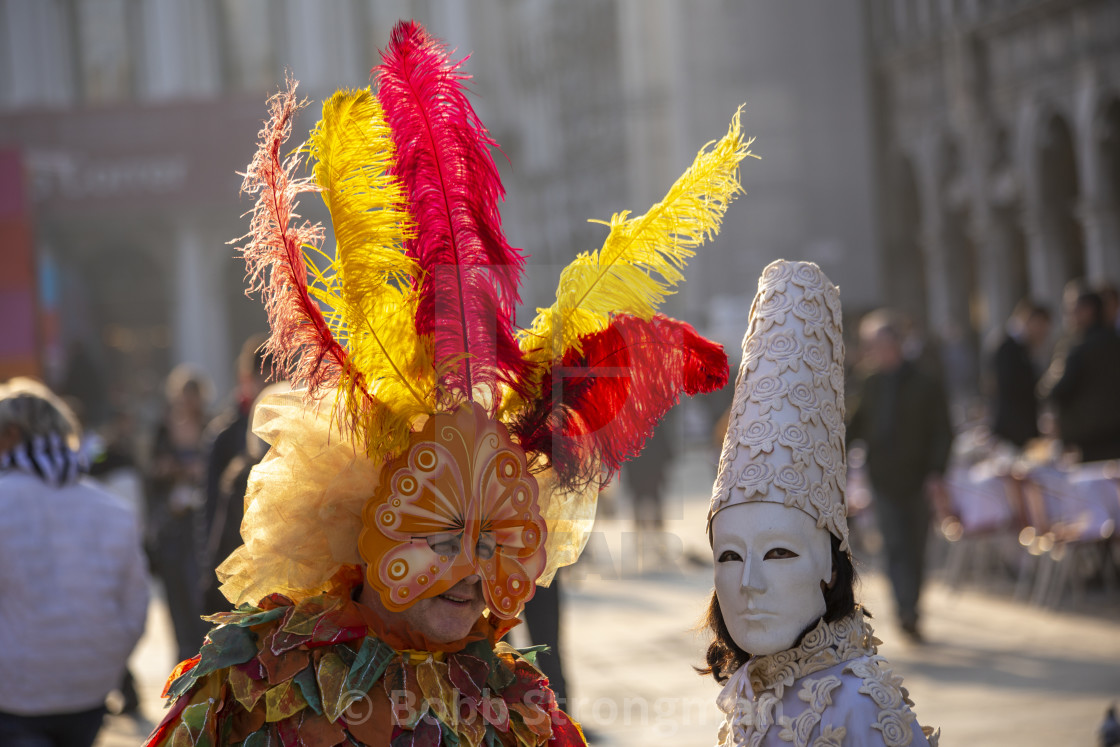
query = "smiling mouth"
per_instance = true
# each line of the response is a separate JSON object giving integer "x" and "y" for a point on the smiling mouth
{"x": 455, "y": 599}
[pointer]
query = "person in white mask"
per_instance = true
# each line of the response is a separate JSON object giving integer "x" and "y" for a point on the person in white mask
{"x": 793, "y": 650}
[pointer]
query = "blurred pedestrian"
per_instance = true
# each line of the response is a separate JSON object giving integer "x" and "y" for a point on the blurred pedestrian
{"x": 1087, "y": 396}
{"x": 226, "y": 436}
{"x": 113, "y": 464}
{"x": 645, "y": 476}
{"x": 233, "y": 485}
{"x": 1110, "y": 729}
{"x": 543, "y": 614}
{"x": 113, "y": 461}
{"x": 73, "y": 580}
{"x": 1110, "y": 297}
{"x": 175, "y": 492}
{"x": 959, "y": 370}
{"x": 1067, "y": 336}
{"x": 901, "y": 415}
{"x": 1016, "y": 374}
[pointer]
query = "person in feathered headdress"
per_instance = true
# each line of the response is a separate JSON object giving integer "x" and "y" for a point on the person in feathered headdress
{"x": 436, "y": 464}
{"x": 793, "y": 650}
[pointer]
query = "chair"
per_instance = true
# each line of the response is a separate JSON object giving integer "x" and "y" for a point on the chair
{"x": 1074, "y": 517}
{"x": 982, "y": 522}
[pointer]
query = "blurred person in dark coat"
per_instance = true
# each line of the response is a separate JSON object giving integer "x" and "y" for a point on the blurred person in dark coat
{"x": 176, "y": 495}
{"x": 1068, "y": 335}
{"x": 901, "y": 415}
{"x": 1087, "y": 396}
{"x": 1016, "y": 374}
{"x": 113, "y": 464}
{"x": 225, "y": 535}
{"x": 1110, "y": 298}
{"x": 73, "y": 579}
{"x": 1109, "y": 730}
{"x": 226, "y": 436}
{"x": 645, "y": 476}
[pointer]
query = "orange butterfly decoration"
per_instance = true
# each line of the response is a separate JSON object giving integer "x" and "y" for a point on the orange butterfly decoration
{"x": 459, "y": 502}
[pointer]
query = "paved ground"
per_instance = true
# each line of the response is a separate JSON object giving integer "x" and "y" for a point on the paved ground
{"x": 993, "y": 671}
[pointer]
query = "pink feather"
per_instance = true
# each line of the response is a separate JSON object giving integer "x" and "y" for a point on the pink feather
{"x": 469, "y": 289}
{"x": 301, "y": 343}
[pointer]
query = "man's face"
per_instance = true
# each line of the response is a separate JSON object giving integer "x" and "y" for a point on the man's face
{"x": 1084, "y": 315}
{"x": 883, "y": 351}
{"x": 770, "y": 562}
{"x": 444, "y": 618}
{"x": 1037, "y": 330}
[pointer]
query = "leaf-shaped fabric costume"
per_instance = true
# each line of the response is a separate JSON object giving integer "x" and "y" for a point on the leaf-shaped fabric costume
{"x": 325, "y": 671}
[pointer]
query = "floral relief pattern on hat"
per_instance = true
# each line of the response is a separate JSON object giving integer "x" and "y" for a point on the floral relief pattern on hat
{"x": 785, "y": 435}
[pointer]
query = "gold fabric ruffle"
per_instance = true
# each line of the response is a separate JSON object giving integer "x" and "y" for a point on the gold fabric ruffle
{"x": 303, "y": 506}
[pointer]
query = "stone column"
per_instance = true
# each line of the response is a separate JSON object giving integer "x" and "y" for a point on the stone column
{"x": 37, "y": 57}
{"x": 969, "y": 109}
{"x": 1099, "y": 204}
{"x": 198, "y": 319}
{"x": 323, "y": 48}
{"x": 1044, "y": 259}
{"x": 180, "y": 50}
{"x": 1045, "y": 262}
{"x": 648, "y": 51}
{"x": 996, "y": 245}
{"x": 650, "y": 36}
{"x": 1101, "y": 222}
{"x": 934, "y": 236}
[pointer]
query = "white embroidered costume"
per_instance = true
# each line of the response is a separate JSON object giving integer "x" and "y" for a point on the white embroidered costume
{"x": 830, "y": 690}
{"x": 785, "y": 449}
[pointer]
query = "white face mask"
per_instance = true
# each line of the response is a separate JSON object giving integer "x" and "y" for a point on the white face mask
{"x": 770, "y": 561}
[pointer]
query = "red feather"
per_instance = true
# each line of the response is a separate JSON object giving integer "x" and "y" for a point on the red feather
{"x": 469, "y": 289}
{"x": 301, "y": 342}
{"x": 607, "y": 399}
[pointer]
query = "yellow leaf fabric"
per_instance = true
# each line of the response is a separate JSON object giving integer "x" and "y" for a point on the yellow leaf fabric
{"x": 439, "y": 694}
{"x": 368, "y": 288}
{"x": 641, "y": 259}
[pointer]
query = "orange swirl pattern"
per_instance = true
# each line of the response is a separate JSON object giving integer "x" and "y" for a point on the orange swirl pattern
{"x": 459, "y": 501}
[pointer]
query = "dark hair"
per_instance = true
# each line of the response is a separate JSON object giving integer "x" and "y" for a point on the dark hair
{"x": 31, "y": 408}
{"x": 724, "y": 656}
{"x": 882, "y": 323}
{"x": 1038, "y": 311}
{"x": 1091, "y": 300}
{"x": 1029, "y": 309}
{"x": 253, "y": 359}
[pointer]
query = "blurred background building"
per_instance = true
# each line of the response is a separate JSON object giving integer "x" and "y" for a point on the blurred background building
{"x": 997, "y": 129}
{"x": 946, "y": 156}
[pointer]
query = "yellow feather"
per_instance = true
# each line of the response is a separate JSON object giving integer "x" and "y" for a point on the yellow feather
{"x": 641, "y": 259}
{"x": 370, "y": 299}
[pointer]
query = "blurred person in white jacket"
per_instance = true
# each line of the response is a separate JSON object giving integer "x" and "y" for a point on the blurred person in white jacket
{"x": 73, "y": 579}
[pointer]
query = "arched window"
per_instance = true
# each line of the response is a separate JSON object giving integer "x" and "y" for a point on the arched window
{"x": 1059, "y": 193}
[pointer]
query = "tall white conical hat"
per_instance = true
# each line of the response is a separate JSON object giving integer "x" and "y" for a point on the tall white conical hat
{"x": 785, "y": 435}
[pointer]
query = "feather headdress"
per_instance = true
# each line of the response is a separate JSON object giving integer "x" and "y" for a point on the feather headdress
{"x": 496, "y": 439}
